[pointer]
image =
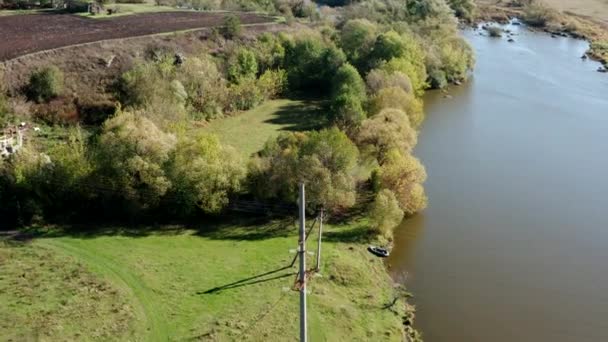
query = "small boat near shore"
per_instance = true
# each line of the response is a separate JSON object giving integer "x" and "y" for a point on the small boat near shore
{"x": 378, "y": 251}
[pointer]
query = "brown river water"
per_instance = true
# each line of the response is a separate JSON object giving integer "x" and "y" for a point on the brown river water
{"x": 514, "y": 243}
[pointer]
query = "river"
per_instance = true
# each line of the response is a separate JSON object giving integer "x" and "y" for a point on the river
{"x": 514, "y": 243}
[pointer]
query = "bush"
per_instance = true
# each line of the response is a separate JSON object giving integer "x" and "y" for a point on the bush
{"x": 378, "y": 79}
{"x": 131, "y": 153}
{"x": 272, "y": 83}
{"x": 357, "y": 39}
{"x": 206, "y": 88}
{"x": 232, "y": 27}
{"x": 538, "y": 14}
{"x": 387, "y": 131}
{"x": 242, "y": 64}
{"x": 348, "y": 96}
{"x": 324, "y": 160}
{"x": 311, "y": 63}
{"x": 394, "y": 97}
{"x": 269, "y": 52}
{"x": 385, "y": 213}
{"x": 404, "y": 175}
{"x": 416, "y": 73}
{"x": 464, "y": 9}
{"x": 45, "y": 84}
{"x": 203, "y": 174}
{"x": 150, "y": 86}
{"x": 244, "y": 95}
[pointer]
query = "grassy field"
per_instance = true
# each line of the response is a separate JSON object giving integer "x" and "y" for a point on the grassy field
{"x": 213, "y": 282}
{"x": 248, "y": 131}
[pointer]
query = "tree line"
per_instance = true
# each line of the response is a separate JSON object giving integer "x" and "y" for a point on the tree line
{"x": 373, "y": 64}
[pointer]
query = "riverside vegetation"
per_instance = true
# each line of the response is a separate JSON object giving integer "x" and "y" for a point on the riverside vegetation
{"x": 155, "y": 153}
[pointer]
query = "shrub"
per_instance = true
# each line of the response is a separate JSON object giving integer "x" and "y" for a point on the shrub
{"x": 45, "y": 84}
{"x": 348, "y": 96}
{"x": 311, "y": 63}
{"x": 385, "y": 213}
{"x": 130, "y": 156}
{"x": 394, "y": 97}
{"x": 272, "y": 83}
{"x": 149, "y": 86}
{"x": 269, "y": 52}
{"x": 205, "y": 86}
{"x": 231, "y": 28}
{"x": 386, "y": 131}
{"x": 357, "y": 38}
{"x": 464, "y": 9}
{"x": 244, "y": 95}
{"x": 242, "y": 64}
{"x": 404, "y": 175}
{"x": 324, "y": 160}
{"x": 203, "y": 174}
{"x": 378, "y": 79}
{"x": 415, "y": 72}
{"x": 539, "y": 14}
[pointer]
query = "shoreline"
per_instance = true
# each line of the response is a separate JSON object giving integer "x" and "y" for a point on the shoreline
{"x": 565, "y": 24}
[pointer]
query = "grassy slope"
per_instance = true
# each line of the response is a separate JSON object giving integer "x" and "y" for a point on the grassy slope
{"x": 247, "y": 132}
{"x": 173, "y": 279}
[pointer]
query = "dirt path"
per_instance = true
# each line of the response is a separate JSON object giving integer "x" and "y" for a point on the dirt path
{"x": 24, "y": 34}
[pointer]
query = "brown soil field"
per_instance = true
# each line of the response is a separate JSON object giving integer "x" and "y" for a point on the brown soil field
{"x": 24, "y": 34}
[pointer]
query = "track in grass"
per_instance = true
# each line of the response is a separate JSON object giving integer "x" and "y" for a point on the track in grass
{"x": 155, "y": 323}
{"x": 24, "y": 34}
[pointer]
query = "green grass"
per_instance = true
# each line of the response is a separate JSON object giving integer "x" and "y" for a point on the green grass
{"x": 45, "y": 295}
{"x": 218, "y": 282}
{"x": 248, "y": 131}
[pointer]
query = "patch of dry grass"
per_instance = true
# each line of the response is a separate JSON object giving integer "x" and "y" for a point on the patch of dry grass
{"x": 46, "y": 296}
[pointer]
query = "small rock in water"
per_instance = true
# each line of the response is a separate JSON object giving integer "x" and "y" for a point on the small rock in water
{"x": 553, "y": 36}
{"x": 511, "y": 40}
{"x": 602, "y": 70}
{"x": 447, "y": 96}
{"x": 583, "y": 57}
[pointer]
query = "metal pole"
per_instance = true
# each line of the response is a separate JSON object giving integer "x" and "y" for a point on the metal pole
{"x": 319, "y": 242}
{"x": 302, "y": 202}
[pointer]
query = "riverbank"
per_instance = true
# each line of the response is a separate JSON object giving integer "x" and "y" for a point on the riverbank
{"x": 546, "y": 16}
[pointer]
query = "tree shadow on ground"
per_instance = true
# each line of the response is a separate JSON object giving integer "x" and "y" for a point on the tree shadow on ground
{"x": 248, "y": 228}
{"x": 301, "y": 115}
{"x": 225, "y": 227}
{"x": 359, "y": 233}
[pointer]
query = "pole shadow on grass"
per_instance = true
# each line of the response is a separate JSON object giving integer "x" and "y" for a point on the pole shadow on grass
{"x": 256, "y": 279}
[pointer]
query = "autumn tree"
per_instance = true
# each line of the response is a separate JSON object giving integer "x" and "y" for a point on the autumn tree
{"x": 324, "y": 160}
{"x": 385, "y": 213}
{"x": 404, "y": 175}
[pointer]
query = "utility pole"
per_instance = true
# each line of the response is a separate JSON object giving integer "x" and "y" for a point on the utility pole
{"x": 319, "y": 241}
{"x": 302, "y": 252}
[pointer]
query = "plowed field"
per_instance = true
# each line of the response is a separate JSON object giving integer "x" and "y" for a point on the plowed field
{"x": 23, "y": 34}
